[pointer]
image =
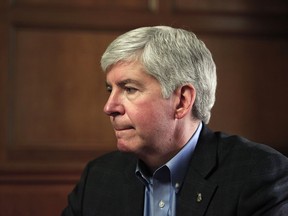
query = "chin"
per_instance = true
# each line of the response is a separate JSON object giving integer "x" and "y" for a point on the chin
{"x": 123, "y": 147}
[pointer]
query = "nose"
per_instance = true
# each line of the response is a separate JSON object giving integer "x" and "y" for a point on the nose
{"x": 113, "y": 106}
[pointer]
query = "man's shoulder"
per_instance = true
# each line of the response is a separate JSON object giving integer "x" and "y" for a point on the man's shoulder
{"x": 236, "y": 148}
{"x": 244, "y": 145}
{"x": 242, "y": 150}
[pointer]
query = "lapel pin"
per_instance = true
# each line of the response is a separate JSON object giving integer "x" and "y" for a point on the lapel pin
{"x": 199, "y": 197}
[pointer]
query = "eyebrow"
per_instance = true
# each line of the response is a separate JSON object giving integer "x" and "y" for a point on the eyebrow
{"x": 129, "y": 81}
{"x": 122, "y": 83}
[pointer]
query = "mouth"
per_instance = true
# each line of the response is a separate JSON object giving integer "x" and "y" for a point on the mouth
{"x": 122, "y": 128}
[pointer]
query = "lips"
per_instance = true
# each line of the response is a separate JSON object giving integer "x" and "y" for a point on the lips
{"x": 122, "y": 128}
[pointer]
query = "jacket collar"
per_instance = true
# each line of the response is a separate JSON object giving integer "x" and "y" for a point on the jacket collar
{"x": 197, "y": 191}
{"x": 134, "y": 191}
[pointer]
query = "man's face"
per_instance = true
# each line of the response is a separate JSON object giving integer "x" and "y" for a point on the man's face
{"x": 142, "y": 119}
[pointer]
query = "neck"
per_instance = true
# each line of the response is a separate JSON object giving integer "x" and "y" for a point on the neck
{"x": 155, "y": 158}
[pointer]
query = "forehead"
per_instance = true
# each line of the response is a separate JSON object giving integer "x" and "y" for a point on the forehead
{"x": 127, "y": 71}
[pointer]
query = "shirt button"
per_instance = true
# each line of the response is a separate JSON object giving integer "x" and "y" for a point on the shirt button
{"x": 177, "y": 185}
{"x": 161, "y": 204}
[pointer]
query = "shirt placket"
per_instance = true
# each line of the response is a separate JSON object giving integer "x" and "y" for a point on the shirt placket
{"x": 161, "y": 192}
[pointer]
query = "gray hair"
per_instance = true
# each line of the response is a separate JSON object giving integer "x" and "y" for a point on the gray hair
{"x": 175, "y": 57}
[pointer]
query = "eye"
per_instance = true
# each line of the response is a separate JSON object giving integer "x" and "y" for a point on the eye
{"x": 109, "y": 88}
{"x": 130, "y": 90}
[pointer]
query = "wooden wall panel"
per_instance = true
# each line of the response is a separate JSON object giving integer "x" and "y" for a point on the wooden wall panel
{"x": 252, "y": 77}
{"x": 118, "y": 4}
{"x": 4, "y": 47}
{"x": 239, "y": 6}
{"x": 27, "y": 200}
{"x": 57, "y": 90}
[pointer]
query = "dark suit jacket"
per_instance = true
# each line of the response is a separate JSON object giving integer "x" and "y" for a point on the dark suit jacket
{"x": 228, "y": 176}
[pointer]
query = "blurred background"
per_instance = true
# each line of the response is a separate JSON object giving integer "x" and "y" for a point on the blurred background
{"x": 52, "y": 89}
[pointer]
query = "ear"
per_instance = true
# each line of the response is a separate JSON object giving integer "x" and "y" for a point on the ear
{"x": 186, "y": 95}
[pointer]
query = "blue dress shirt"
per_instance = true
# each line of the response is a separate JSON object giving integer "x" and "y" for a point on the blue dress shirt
{"x": 161, "y": 187}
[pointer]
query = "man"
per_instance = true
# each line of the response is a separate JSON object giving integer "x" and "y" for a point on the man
{"x": 162, "y": 84}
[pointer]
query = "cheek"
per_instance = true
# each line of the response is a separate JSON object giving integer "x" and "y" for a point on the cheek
{"x": 143, "y": 117}
{"x": 153, "y": 118}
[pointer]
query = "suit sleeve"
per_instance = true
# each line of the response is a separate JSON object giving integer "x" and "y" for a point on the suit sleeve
{"x": 74, "y": 207}
{"x": 266, "y": 193}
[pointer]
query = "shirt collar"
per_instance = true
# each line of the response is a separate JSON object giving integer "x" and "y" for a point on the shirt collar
{"x": 178, "y": 165}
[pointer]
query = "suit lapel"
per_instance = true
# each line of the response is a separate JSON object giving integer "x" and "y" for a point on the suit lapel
{"x": 134, "y": 192}
{"x": 197, "y": 192}
{"x": 195, "y": 196}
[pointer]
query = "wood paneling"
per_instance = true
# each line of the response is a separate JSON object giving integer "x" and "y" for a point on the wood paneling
{"x": 56, "y": 92}
{"x": 117, "y": 4}
{"x": 52, "y": 89}
{"x": 27, "y": 200}
{"x": 57, "y": 81}
{"x": 252, "y": 77}
{"x": 239, "y": 6}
